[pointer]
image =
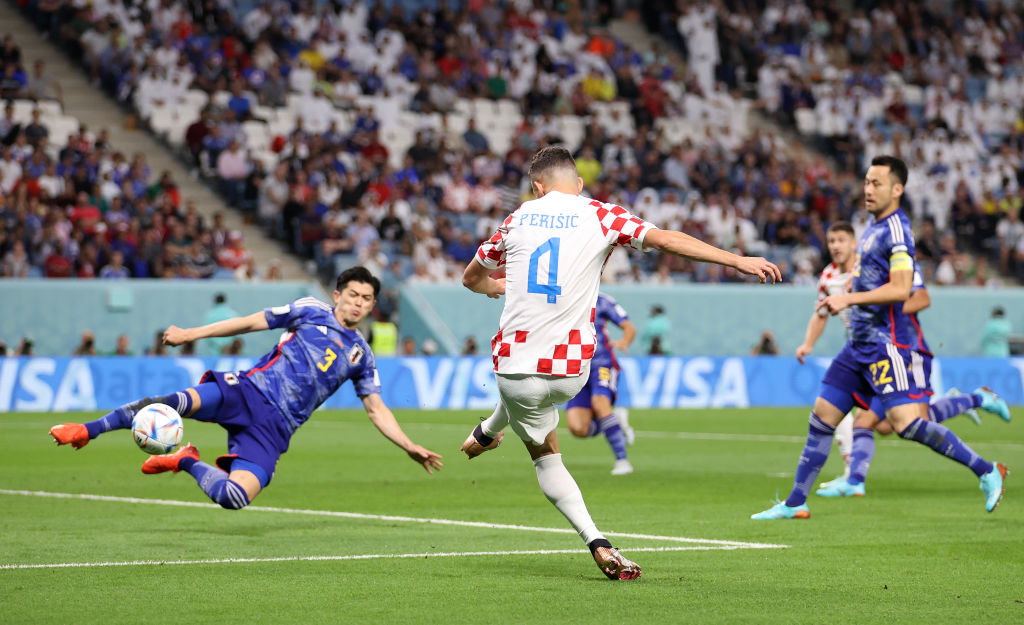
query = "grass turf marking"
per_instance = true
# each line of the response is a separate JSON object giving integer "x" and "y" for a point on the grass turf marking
{"x": 385, "y": 517}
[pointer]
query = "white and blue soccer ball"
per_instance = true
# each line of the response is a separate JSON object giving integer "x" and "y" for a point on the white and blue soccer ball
{"x": 157, "y": 429}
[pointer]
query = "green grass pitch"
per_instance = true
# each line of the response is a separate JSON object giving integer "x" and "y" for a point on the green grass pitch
{"x": 920, "y": 548}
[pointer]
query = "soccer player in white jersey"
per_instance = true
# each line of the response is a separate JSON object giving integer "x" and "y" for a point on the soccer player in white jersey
{"x": 553, "y": 250}
{"x": 834, "y": 279}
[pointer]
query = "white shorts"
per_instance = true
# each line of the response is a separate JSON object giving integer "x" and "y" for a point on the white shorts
{"x": 531, "y": 402}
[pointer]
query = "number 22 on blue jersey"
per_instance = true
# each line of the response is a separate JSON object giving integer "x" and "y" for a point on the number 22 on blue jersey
{"x": 551, "y": 289}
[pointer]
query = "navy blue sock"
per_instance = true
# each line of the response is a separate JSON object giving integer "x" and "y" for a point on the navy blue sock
{"x": 861, "y": 454}
{"x": 613, "y": 433}
{"x": 594, "y": 429}
{"x": 121, "y": 418}
{"x": 949, "y": 407}
{"x": 215, "y": 483}
{"x": 116, "y": 420}
{"x": 943, "y": 440}
{"x": 819, "y": 441}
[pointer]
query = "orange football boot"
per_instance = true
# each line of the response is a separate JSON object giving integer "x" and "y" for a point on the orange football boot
{"x": 73, "y": 434}
{"x": 169, "y": 462}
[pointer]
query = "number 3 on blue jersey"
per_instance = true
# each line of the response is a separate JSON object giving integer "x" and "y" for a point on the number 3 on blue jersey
{"x": 551, "y": 289}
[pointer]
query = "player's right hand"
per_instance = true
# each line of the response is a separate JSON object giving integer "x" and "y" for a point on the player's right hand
{"x": 760, "y": 267}
{"x": 803, "y": 350}
{"x": 497, "y": 288}
{"x": 175, "y": 336}
{"x": 429, "y": 460}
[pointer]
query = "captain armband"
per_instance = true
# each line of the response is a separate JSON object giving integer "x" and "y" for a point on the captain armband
{"x": 901, "y": 261}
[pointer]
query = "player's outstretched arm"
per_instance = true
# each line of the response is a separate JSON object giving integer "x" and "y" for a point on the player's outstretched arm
{"x": 681, "y": 244}
{"x": 384, "y": 420}
{"x": 477, "y": 278}
{"x": 897, "y": 289}
{"x": 229, "y": 327}
{"x": 815, "y": 326}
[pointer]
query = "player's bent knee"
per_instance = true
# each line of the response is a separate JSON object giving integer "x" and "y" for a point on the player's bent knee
{"x": 579, "y": 430}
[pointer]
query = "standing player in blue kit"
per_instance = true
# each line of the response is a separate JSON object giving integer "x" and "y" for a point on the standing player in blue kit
{"x": 876, "y": 361}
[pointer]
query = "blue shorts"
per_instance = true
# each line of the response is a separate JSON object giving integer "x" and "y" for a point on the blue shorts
{"x": 920, "y": 370}
{"x": 257, "y": 434}
{"x": 865, "y": 370}
{"x": 603, "y": 380}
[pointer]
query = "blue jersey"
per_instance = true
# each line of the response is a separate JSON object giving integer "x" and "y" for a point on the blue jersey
{"x": 917, "y": 342}
{"x": 881, "y": 323}
{"x": 607, "y": 309}
{"x": 314, "y": 357}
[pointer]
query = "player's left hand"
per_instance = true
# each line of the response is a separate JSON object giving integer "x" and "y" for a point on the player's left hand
{"x": 620, "y": 345}
{"x": 836, "y": 303}
{"x": 760, "y": 267}
{"x": 431, "y": 461}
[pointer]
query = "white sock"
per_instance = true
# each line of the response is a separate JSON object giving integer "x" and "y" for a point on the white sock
{"x": 844, "y": 441}
{"x": 561, "y": 490}
{"x": 498, "y": 421}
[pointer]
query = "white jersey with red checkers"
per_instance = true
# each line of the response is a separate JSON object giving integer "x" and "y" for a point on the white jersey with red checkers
{"x": 553, "y": 250}
{"x": 833, "y": 281}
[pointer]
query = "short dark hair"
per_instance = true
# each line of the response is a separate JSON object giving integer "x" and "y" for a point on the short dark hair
{"x": 998, "y": 312}
{"x": 358, "y": 274}
{"x": 551, "y": 157}
{"x": 842, "y": 226}
{"x": 220, "y": 298}
{"x": 896, "y": 167}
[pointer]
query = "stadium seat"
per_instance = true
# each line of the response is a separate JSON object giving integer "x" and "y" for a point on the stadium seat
{"x": 257, "y": 134}
{"x": 806, "y": 121}
{"x": 197, "y": 98}
{"x": 161, "y": 120}
{"x": 261, "y": 112}
{"x": 50, "y": 108}
{"x": 23, "y": 110}
{"x": 913, "y": 95}
{"x": 465, "y": 106}
{"x": 221, "y": 99}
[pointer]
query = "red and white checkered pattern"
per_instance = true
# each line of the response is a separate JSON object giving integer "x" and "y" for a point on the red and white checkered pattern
{"x": 833, "y": 281}
{"x": 568, "y": 358}
{"x": 624, "y": 227}
{"x": 501, "y": 349}
{"x": 538, "y": 335}
{"x": 493, "y": 249}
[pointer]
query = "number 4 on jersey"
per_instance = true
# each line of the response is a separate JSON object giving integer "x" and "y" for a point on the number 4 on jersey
{"x": 551, "y": 289}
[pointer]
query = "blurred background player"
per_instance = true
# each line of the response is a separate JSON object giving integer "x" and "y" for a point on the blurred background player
{"x": 876, "y": 360}
{"x": 263, "y": 407}
{"x": 553, "y": 250}
{"x": 834, "y": 279}
{"x": 871, "y": 418}
{"x": 593, "y": 410}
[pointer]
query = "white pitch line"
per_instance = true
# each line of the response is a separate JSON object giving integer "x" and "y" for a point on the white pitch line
{"x": 893, "y": 441}
{"x": 368, "y": 556}
{"x": 385, "y": 517}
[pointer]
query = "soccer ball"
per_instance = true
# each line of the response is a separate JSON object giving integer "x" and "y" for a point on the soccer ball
{"x": 157, "y": 429}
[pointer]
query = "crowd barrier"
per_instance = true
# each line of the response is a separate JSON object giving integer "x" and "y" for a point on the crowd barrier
{"x": 43, "y": 384}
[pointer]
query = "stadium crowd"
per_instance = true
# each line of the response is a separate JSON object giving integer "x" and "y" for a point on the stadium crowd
{"x": 938, "y": 85}
{"x": 332, "y": 184}
{"x": 77, "y": 207}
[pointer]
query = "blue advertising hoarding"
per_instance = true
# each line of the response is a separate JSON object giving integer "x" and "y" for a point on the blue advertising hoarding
{"x": 70, "y": 384}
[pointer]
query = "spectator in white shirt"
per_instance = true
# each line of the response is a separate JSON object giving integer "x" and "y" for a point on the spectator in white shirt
{"x": 1010, "y": 232}
{"x": 301, "y": 78}
{"x": 316, "y": 111}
